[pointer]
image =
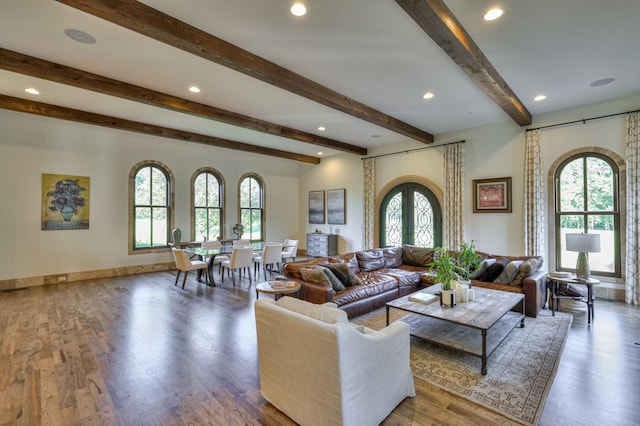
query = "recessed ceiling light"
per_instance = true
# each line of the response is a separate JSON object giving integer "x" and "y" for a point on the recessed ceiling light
{"x": 602, "y": 81}
{"x": 540, "y": 98}
{"x": 298, "y": 9}
{"x": 322, "y": 128}
{"x": 32, "y": 91}
{"x": 428, "y": 95}
{"x": 320, "y": 153}
{"x": 80, "y": 36}
{"x": 493, "y": 14}
{"x": 194, "y": 89}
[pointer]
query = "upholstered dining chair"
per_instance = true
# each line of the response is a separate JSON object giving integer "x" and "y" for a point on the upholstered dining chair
{"x": 220, "y": 257}
{"x": 184, "y": 264}
{"x": 241, "y": 243}
{"x": 270, "y": 257}
{"x": 240, "y": 260}
{"x": 290, "y": 250}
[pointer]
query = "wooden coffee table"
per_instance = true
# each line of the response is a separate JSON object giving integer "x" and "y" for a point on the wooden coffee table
{"x": 476, "y": 328}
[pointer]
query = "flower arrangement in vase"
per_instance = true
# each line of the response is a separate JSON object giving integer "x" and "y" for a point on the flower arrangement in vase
{"x": 66, "y": 198}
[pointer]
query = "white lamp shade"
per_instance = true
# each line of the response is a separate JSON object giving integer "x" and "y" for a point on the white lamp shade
{"x": 586, "y": 243}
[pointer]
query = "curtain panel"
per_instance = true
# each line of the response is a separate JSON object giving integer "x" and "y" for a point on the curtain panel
{"x": 453, "y": 209}
{"x": 632, "y": 267}
{"x": 368, "y": 203}
{"x": 533, "y": 196}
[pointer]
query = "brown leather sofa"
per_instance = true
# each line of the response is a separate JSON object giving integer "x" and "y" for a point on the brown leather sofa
{"x": 393, "y": 272}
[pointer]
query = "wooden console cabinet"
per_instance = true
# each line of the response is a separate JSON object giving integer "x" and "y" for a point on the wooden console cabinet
{"x": 322, "y": 245}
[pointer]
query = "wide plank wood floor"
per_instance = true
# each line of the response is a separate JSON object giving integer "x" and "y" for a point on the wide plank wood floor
{"x": 138, "y": 351}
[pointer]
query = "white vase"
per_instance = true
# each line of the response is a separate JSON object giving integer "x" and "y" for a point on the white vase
{"x": 448, "y": 298}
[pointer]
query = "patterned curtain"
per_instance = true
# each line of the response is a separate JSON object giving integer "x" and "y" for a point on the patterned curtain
{"x": 632, "y": 272}
{"x": 533, "y": 196}
{"x": 453, "y": 210}
{"x": 368, "y": 204}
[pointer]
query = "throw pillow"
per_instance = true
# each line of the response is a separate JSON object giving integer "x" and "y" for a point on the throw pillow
{"x": 315, "y": 276}
{"x": 509, "y": 273}
{"x": 417, "y": 256}
{"x": 335, "y": 282}
{"x": 340, "y": 272}
{"x": 370, "y": 260}
{"x": 352, "y": 278}
{"x": 527, "y": 268}
{"x": 493, "y": 271}
{"x": 481, "y": 268}
{"x": 392, "y": 257}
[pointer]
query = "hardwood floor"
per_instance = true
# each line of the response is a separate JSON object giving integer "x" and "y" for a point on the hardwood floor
{"x": 138, "y": 351}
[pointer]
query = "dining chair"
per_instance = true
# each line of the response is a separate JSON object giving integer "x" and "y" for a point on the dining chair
{"x": 176, "y": 236}
{"x": 241, "y": 259}
{"x": 218, "y": 259}
{"x": 290, "y": 250}
{"x": 270, "y": 257}
{"x": 241, "y": 243}
{"x": 184, "y": 264}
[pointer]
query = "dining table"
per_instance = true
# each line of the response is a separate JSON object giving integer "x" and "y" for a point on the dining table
{"x": 211, "y": 253}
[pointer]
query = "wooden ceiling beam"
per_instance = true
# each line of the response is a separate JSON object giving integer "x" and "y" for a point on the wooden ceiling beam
{"x": 40, "y": 68}
{"x": 152, "y": 23}
{"x": 64, "y": 113}
{"x": 435, "y": 18}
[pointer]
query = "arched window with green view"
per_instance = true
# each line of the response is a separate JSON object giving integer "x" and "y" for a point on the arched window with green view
{"x": 151, "y": 201}
{"x": 587, "y": 200}
{"x": 251, "y": 202}
{"x": 207, "y": 198}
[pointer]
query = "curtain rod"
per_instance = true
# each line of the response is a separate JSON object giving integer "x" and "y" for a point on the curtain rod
{"x": 583, "y": 121}
{"x": 412, "y": 150}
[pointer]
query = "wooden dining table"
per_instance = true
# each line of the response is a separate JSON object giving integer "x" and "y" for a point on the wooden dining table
{"x": 211, "y": 253}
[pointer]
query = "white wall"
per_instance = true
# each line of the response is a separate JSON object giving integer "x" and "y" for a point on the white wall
{"x": 490, "y": 151}
{"x": 31, "y": 145}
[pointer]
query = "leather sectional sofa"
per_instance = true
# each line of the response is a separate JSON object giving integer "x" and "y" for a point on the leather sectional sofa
{"x": 388, "y": 273}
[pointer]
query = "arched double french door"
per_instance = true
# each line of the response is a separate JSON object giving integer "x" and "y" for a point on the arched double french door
{"x": 410, "y": 214}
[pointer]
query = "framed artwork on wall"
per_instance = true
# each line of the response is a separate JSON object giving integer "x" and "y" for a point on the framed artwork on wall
{"x": 336, "y": 206}
{"x": 65, "y": 202}
{"x": 492, "y": 195}
{"x": 316, "y": 206}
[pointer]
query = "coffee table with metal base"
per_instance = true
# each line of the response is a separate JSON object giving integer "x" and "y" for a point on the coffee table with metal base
{"x": 476, "y": 328}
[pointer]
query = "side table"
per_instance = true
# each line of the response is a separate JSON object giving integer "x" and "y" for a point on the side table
{"x": 267, "y": 288}
{"x": 573, "y": 280}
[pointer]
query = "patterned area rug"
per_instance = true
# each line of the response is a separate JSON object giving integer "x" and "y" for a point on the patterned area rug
{"x": 520, "y": 371}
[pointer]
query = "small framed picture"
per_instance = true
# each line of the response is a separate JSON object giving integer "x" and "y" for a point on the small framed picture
{"x": 316, "y": 206}
{"x": 492, "y": 195}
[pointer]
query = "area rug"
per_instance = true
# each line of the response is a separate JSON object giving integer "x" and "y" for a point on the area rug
{"x": 520, "y": 371}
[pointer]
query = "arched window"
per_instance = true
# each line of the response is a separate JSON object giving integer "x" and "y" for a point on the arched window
{"x": 251, "y": 193}
{"x": 587, "y": 200}
{"x": 410, "y": 214}
{"x": 151, "y": 201}
{"x": 207, "y": 205}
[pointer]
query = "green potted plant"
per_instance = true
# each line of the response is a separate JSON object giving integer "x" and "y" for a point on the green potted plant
{"x": 467, "y": 260}
{"x": 446, "y": 271}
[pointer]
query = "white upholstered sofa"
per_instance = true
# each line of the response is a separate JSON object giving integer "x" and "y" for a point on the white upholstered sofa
{"x": 319, "y": 369}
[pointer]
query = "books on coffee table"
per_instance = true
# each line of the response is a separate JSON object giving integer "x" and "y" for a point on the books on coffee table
{"x": 423, "y": 297}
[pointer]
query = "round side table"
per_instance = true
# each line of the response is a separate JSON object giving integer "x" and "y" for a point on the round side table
{"x": 589, "y": 300}
{"x": 267, "y": 288}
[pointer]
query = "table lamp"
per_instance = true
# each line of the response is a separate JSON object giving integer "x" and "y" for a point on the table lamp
{"x": 583, "y": 244}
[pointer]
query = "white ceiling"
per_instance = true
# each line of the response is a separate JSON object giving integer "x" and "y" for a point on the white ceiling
{"x": 369, "y": 50}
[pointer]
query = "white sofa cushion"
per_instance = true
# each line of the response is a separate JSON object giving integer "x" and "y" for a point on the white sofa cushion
{"x": 328, "y": 312}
